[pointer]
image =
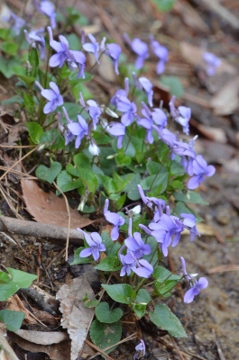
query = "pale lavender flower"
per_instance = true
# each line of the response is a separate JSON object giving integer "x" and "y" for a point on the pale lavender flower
{"x": 94, "y": 241}
{"x": 140, "y": 350}
{"x": 147, "y": 123}
{"x": 47, "y": 8}
{"x": 144, "y": 84}
{"x": 61, "y": 48}
{"x": 161, "y": 52}
{"x": 213, "y": 62}
{"x": 121, "y": 92}
{"x": 159, "y": 117}
{"x": 94, "y": 112}
{"x": 195, "y": 286}
{"x": 153, "y": 203}
{"x": 166, "y": 136}
{"x": 114, "y": 219}
{"x": 187, "y": 154}
{"x": 181, "y": 115}
{"x": 92, "y": 47}
{"x": 141, "y": 49}
{"x": 118, "y": 130}
{"x": 52, "y": 95}
{"x": 19, "y": 23}
{"x": 137, "y": 246}
{"x": 35, "y": 39}
{"x": 113, "y": 51}
{"x": 80, "y": 129}
{"x": 128, "y": 264}
{"x": 93, "y": 148}
{"x": 128, "y": 109}
{"x": 189, "y": 223}
{"x": 76, "y": 60}
{"x": 144, "y": 269}
{"x": 69, "y": 137}
{"x": 200, "y": 170}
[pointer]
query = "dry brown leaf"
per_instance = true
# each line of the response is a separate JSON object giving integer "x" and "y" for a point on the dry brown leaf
{"x": 226, "y": 101}
{"x": 14, "y": 303}
{"x": 76, "y": 317}
{"x": 190, "y": 16}
{"x": 203, "y": 229}
{"x": 49, "y": 208}
{"x": 6, "y": 352}
{"x": 59, "y": 351}
{"x": 211, "y": 133}
{"x": 223, "y": 12}
{"x": 41, "y": 337}
{"x": 223, "y": 268}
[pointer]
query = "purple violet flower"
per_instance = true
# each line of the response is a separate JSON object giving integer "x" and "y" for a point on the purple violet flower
{"x": 200, "y": 170}
{"x": 35, "y": 39}
{"x": 140, "y": 350}
{"x": 76, "y": 60}
{"x": 128, "y": 264}
{"x": 161, "y": 52}
{"x": 147, "y": 123}
{"x": 195, "y": 286}
{"x": 92, "y": 47}
{"x": 212, "y": 63}
{"x": 19, "y": 23}
{"x": 144, "y": 84}
{"x": 113, "y": 51}
{"x": 80, "y": 129}
{"x": 156, "y": 205}
{"x": 120, "y": 92}
{"x": 189, "y": 223}
{"x": 128, "y": 109}
{"x": 118, "y": 130}
{"x": 144, "y": 269}
{"x": 93, "y": 148}
{"x": 186, "y": 153}
{"x": 47, "y": 8}
{"x": 141, "y": 49}
{"x": 69, "y": 137}
{"x": 61, "y": 48}
{"x": 137, "y": 246}
{"x": 181, "y": 115}
{"x": 53, "y": 96}
{"x": 114, "y": 219}
{"x": 159, "y": 117}
{"x": 94, "y": 112}
{"x": 95, "y": 242}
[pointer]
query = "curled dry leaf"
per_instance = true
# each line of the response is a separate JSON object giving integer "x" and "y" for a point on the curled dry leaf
{"x": 49, "y": 208}
{"x": 59, "y": 351}
{"x": 14, "y": 303}
{"x": 41, "y": 337}
{"x": 76, "y": 317}
{"x": 226, "y": 101}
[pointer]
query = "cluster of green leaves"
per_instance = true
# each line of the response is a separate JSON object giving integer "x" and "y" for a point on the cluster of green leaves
{"x": 9, "y": 284}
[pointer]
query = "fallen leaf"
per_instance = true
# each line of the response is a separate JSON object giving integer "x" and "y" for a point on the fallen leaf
{"x": 76, "y": 317}
{"x": 190, "y": 16}
{"x": 14, "y": 303}
{"x": 41, "y": 337}
{"x": 223, "y": 268}
{"x": 6, "y": 352}
{"x": 226, "y": 101}
{"x": 49, "y": 208}
{"x": 211, "y": 133}
{"x": 203, "y": 229}
{"x": 59, "y": 351}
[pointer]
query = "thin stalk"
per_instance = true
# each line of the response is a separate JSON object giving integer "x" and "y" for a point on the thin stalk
{"x": 163, "y": 162}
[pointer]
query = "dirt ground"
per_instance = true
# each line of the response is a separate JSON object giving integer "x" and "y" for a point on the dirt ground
{"x": 212, "y": 320}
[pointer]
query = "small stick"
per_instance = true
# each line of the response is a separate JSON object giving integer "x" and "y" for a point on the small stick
{"x": 17, "y": 146}
{"x": 69, "y": 219}
{"x": 177, "y": 348}
{"x": 98, "y": 349}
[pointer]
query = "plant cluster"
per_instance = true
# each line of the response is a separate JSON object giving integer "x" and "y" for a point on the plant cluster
{"x": 126, "y": 160}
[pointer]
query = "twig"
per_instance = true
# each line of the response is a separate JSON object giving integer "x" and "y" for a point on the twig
{"x": 9, "y": 204}
{"x": 132, "y": 336}
{"x": 17, "y": 146}
{"x": 177, "y": 348}
{"x": 69, "y": 219}
{"x": 41, "y": 230}
{"x": 17, "y": 162}
{"x": 98, "y": 349}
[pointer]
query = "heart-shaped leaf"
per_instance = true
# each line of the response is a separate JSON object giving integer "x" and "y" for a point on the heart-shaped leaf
{"x": 104, "y": 315}
{"x": 104, "y": 335}
{"x": 12, "y": 319}
{"x": 48, "y": 174}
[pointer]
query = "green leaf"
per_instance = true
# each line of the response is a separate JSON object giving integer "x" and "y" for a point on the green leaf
{"x": 90, "y": 303}
{"x": 66, "y": 183}
{"x": 4, "y": 34}
{"x": 160, "y": 180}
{"x": 183, "y": 208}
{"x": 131, "y": 189}
{"x": 176, "y": 169}
{"x": 4, "y": 277}
{"x": 101, "y": 138}
{"x": 21, "y": 72}
{"x": 142, "y": 297}
{"x": 35, "y": 131}
{"x": 12, "y": 100}
{"x": 154, "y": 167}
{"x": 82, "y": 161}
{"x": 72, "y": 170}
{"x": 19, "y": 280}
{"x": 164, "y": 5}
{"x": 72, "y": 109}
{"x": 74, "y": 42}
{"x": 34, "y": 61}
{"x": 48, "y": 174}
{"x": 109, "y": 184}
{"x": 119, "y": 292}
{"x": 107, "y": 241}
{"x": 139, "y": 310}
{"x": 12, "y": 319}
{"x": 104, "y": 315}
{"x": 120, "y": 202}
{"x": 73, "y": 15}
{"x": 190, "y": 197}
{"x": 89, "y": 180}
{"x": 163, "y": 317}
{"x": 79, "y": 260}
{"x": 29, "y": 103}
{"x": 174, "y": 84}
{"x": 7, "y": 66}
{"x": 9, "y": 47}
{"x": 79, "y": 87}
{"x": 176, "y": 185}
{"x": 122, "y": 160}
{"x": 161, "y": 274}
{"x": 109, "y": 263}
{"x": 104, "y": 335}
{"x": 164, "y": 289}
